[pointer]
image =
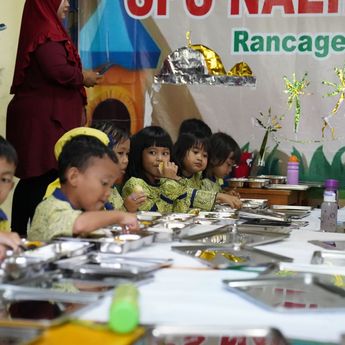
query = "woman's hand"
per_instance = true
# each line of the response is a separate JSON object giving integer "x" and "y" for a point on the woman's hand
{"x": 134, "y": 201}
{"x": 91, "y": 78}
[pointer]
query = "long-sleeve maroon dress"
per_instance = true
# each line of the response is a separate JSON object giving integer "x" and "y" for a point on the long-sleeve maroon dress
{"x": 48, "y": 103}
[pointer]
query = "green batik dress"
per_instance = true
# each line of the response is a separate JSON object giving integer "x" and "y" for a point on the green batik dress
{"x": 212, "y": 185}
{"x": 116, "y": 200}
{"x": 197, "y": 197}
{"x": 168, "y": 196}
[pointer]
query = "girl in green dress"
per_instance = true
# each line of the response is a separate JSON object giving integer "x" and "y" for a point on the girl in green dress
{"x": 151, "y": 170}
{"x": 191, "y": 156}
{"x": 224, "y": 155}
{"x": 120, "y": 142}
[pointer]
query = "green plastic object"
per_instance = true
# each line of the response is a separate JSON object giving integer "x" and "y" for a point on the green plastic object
{"x": 124, "y": 309}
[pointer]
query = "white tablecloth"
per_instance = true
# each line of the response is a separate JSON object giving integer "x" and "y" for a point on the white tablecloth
{"x": 188, "y": 293}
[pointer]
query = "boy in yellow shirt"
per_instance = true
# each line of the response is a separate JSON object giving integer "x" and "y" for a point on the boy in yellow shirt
{"x": 8, "y": 163}
{"x": 87, "y": 171}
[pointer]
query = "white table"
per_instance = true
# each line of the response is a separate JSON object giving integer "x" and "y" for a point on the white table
{"x": 188, "y": 293}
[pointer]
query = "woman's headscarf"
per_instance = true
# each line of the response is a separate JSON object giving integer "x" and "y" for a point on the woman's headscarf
{"x": 40, "y": 23}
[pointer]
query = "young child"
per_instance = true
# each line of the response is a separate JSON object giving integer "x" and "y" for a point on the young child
{"x": 195, "y": 126}
{"x": 120, "y": 142}
{"x": 225, "y": 153}
{"x": 8, "y": 163}
{"x": 191, "y": 156}
{"x": 150, "y": 170}
{"x": 87, "y": 171}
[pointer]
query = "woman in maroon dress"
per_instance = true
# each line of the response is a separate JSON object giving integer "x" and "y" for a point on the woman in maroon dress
{"x": 49, "y": 99}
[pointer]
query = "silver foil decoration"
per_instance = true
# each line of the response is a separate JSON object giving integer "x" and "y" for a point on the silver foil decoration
{"x": 188, "y": 66}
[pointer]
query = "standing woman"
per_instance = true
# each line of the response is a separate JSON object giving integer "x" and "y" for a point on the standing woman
{"x": 49, "y": 99}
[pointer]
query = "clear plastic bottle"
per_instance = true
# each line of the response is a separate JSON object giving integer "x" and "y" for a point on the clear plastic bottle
{"x": 329, "y": 212}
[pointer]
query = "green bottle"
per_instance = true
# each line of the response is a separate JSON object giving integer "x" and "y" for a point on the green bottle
{"x": 124, "y": 309}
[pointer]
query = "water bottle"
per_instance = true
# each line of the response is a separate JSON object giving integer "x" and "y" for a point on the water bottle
{"x": 292, "y": 176}
{"x": 124, "y": 309}
{"x": 329, "y": 212}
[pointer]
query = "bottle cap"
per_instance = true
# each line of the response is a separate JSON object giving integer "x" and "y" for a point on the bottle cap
{"x": 331, "y": 184}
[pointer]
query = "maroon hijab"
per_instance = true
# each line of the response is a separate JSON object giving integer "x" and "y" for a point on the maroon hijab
{"x": 40, "y": 23}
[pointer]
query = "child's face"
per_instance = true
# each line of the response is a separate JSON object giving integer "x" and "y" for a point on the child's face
{"x": 152, "y": 156}
{"x": 194, "y": 161}
{"x": 122, "y": 150}
{"x": 224, "y": 169}
{"x": 91, "y": 188}
{"x": 7, "y": 170}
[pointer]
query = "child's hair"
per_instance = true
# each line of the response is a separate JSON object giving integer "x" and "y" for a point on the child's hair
{"x": 221, "y": 146}
{"x": 7, "y": 151}
{"x": 115, "y": 134}
{"x": 147, "y": 137}
{"x": 195, "y": 126}
{"x": 186, "y": 142}
{"x": 78, "y": 151}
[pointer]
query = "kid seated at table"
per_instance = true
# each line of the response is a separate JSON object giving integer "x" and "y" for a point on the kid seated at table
{"x": 120, "y": 142}
{"x": 87, "y": 171}
{"x": 224, "y": 154}
{"x": 191, "y": 156}
{"x": 8, "y": 163}
{"x": 151, "y": 171}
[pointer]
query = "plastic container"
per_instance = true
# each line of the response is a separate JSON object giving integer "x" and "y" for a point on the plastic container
{"x": 292, "y": 175}
{"x": 124, "y": 309}
{"x": 329, "y": 212}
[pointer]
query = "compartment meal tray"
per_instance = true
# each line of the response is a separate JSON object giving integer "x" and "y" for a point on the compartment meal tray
{"x": 26, "y": 306}
{"x": 304, "y": 292}
{"x": 224, "y": 257}
{"x": 108, "y": 264}
{"x": 119, "y": 243}
{"x": 214, "y": 335}
{"x": 329, "y": 258}
{"x": 225, "y": 235}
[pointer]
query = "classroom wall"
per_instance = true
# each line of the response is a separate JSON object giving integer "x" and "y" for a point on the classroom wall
{"x": 10, "y": 14}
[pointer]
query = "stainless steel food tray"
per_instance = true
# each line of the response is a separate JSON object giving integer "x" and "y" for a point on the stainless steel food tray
{"x": 56, "y": 250}
{"x": 107, "y": 264}
{"x": 119, "y": 242}
{"x": 330, "y": 245}
{"x": 224, "y": 257}
{"x": 329, "y": 257}
{"x": 226, "y": 235}
{"x": 12, "y": 335}
{"x": 266, "y": 214}
{"x": 303, "y": 293}
{"x": 164, "y": 335}
{"x": 25, "y": 306}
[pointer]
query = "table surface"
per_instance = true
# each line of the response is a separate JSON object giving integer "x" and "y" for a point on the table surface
{"x": 191, "y": 294}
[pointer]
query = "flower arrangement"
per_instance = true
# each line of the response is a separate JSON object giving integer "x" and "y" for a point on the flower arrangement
{"x": 271, "y": 123}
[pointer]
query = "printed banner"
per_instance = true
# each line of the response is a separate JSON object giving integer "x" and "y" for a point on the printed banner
{"x": 294, "y": 48}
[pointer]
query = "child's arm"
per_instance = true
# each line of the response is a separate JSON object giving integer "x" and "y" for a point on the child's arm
{"x": 231, "y": 200}
{"x": 93, "y": 220}
{"x": 10, "y": 239}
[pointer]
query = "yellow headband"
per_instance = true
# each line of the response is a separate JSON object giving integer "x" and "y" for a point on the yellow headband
{"x": 92, "y": 132}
